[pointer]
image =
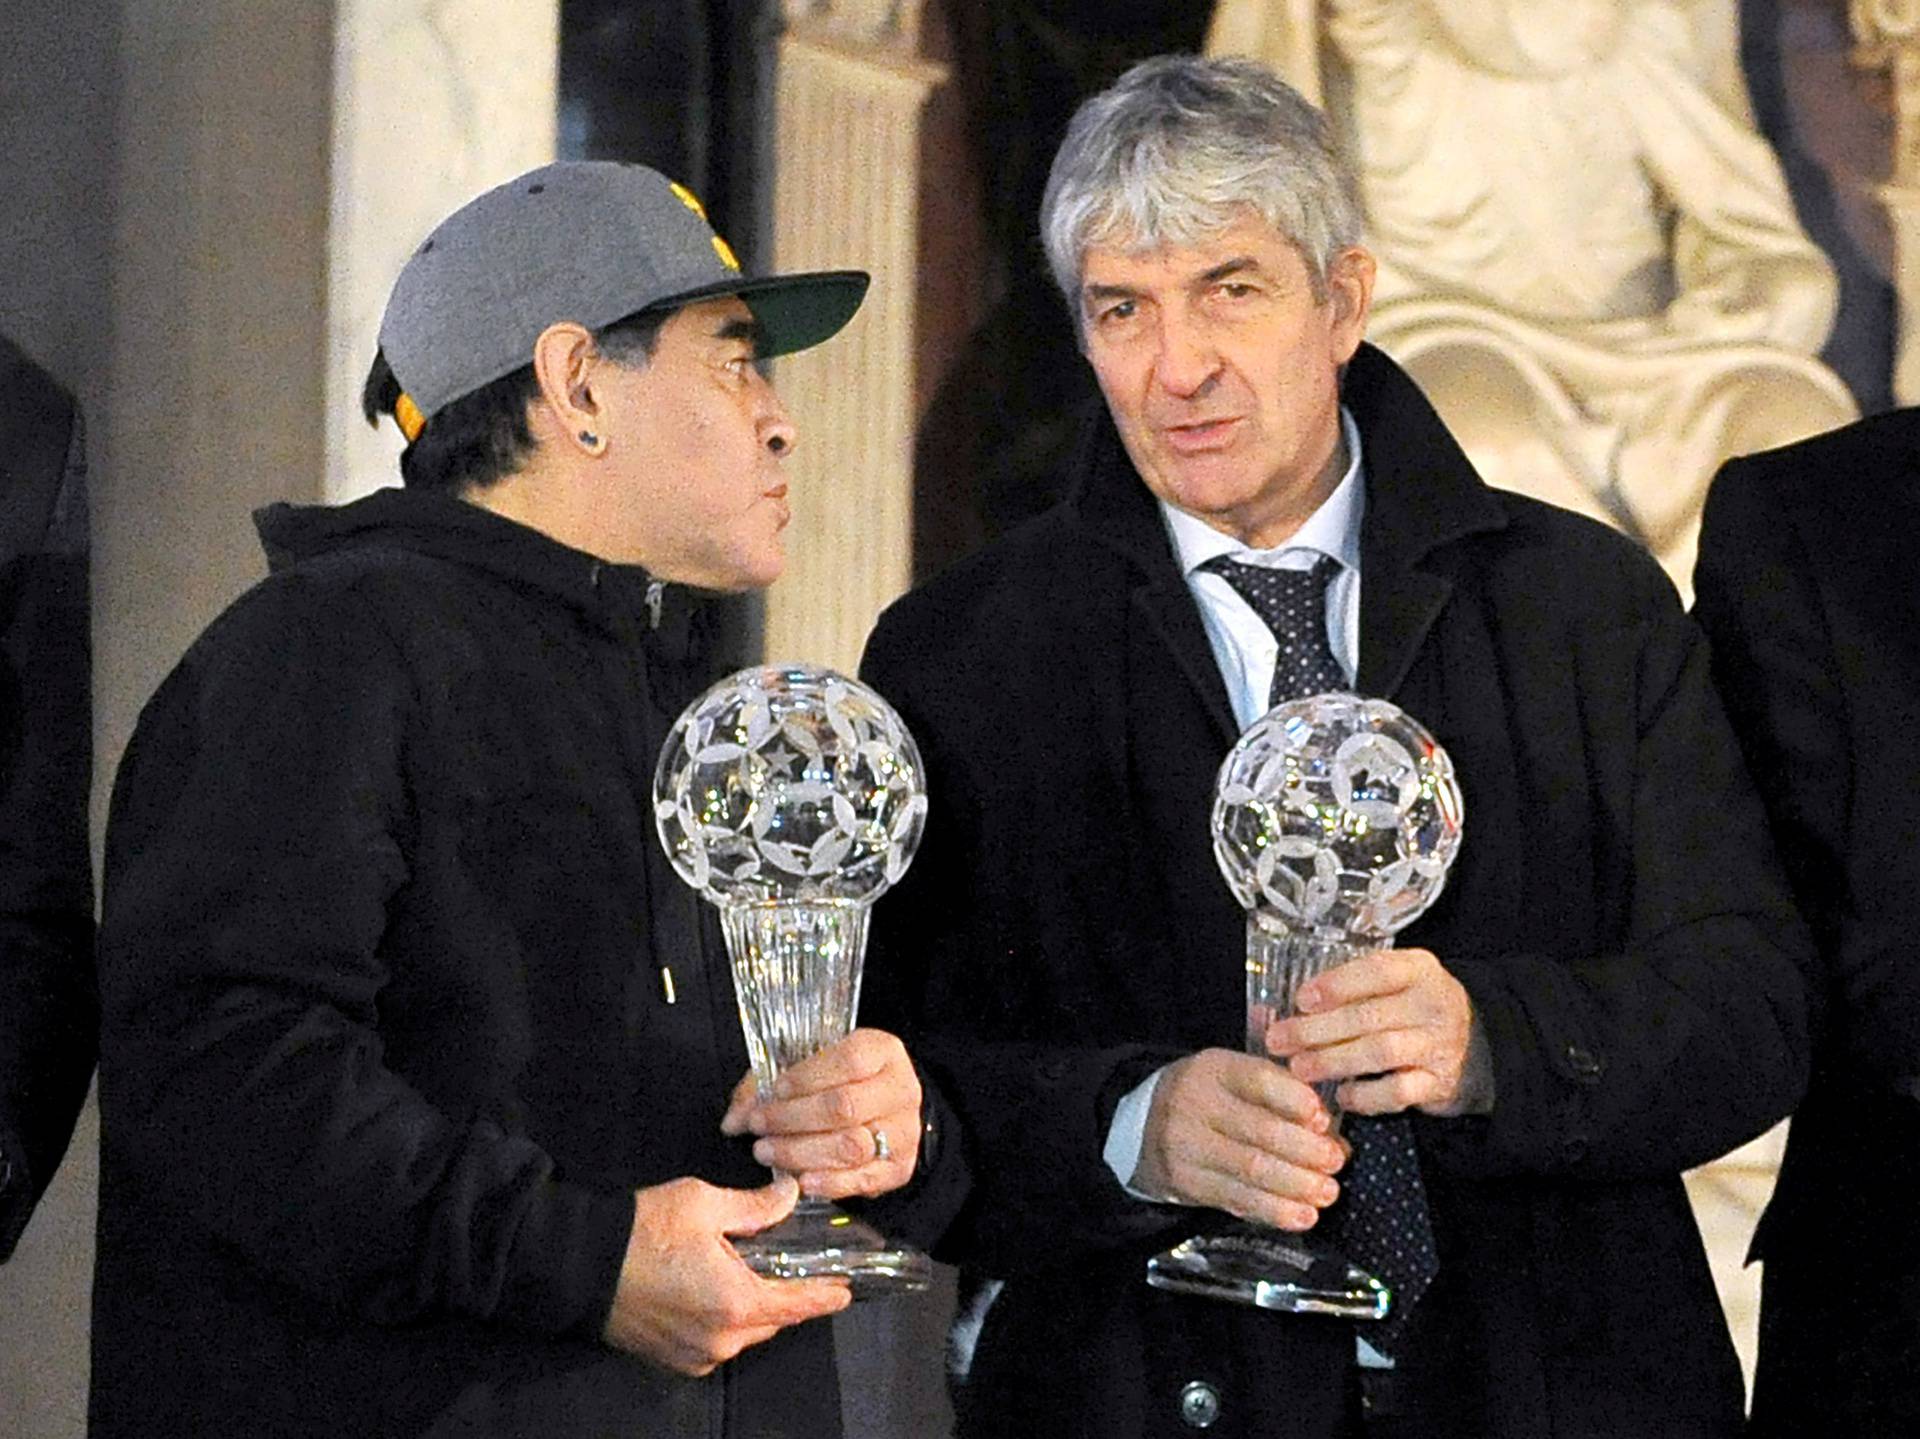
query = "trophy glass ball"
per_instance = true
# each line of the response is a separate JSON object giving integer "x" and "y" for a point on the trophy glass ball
{"x": 791, "y": 798}
{"x": 1335, "y": 819}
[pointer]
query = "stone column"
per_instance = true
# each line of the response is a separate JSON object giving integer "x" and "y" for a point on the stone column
{"x": 1888, "y": 37}
{"x": 434, "y": 101}
{"x": 849, "y": 97}
{"x": 850, "y": 93}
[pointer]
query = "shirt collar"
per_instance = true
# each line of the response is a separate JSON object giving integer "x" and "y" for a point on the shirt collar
{"x": 1333, "y": 529}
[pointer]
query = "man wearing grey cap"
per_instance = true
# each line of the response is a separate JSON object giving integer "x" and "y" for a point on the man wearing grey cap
{"x": 416, "y": 1056}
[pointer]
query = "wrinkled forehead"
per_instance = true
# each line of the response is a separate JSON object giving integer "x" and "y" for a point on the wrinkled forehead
{"x": 1181, "y": 248}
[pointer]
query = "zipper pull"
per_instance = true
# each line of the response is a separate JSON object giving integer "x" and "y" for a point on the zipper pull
{"x": 656, "y": 591}
{"x": 666, "y": 985}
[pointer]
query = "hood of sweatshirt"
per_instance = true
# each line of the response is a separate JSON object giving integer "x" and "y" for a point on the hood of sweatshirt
{"x": 625, "y": 599}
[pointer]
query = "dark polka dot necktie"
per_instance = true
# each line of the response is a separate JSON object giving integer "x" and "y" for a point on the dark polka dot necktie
{"x": 1382, "y": 1221}
{"x": 1294, "y": 605}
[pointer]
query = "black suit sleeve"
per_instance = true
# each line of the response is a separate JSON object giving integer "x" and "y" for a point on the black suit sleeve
{"x": 1690, "y": 1035}
{"x": 1771, "y": 613}
{"x": 47, "y": 1003}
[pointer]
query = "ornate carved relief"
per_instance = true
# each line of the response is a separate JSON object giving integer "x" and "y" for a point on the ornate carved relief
{"x": 888, "y": 24}
{"x": 1588, "y": 255}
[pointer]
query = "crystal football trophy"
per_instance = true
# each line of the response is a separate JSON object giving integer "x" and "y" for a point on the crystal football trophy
{"x": 791, "y": 797}
{"x": 1334, "y": 821}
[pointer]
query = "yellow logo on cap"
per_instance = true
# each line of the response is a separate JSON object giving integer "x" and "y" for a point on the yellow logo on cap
{"x": 720, "y": 246}
{"x": 689, "y": 199}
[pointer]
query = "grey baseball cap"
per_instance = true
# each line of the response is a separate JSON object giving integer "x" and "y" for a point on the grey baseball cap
{"x": 590, "y": 241}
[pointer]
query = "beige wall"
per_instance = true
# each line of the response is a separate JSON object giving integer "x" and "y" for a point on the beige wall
{"x": 217, "y": 371}
{"x": 435, "y": 101}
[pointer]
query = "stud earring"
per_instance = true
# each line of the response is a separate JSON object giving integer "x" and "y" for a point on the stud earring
{"x": 593, "y": 443}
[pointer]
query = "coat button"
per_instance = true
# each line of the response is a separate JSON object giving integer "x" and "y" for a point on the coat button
{"x": 1584, "y": 1063}
{"x": 1199, "y": 1405}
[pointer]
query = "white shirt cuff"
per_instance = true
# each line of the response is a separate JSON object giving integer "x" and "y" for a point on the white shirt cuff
{"x": 1127, "y": 1133}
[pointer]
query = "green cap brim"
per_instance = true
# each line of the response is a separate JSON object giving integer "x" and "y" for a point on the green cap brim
{"x": 795, "y": 312}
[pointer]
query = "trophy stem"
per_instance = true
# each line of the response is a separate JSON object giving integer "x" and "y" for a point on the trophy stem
{"x": 796, "y": 974}
{"x": 1279, "y": 961}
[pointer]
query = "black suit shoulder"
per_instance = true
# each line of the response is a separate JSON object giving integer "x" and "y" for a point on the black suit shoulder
{"x": 991, "y": 584}
{"x": 1854, "y": 481}
{"x": 1575, "y": 536}
{"x": 1004, "y": 620}
{"x": 1878, "y": 444}
{"x": 1557, "y": 572}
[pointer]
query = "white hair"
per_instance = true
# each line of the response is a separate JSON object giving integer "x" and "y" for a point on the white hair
{"x": 1179, "y": 149}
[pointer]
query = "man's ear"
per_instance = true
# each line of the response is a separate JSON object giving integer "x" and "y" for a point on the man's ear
{"x": 564, "y": 358}
{"x": 1350, "y": 294}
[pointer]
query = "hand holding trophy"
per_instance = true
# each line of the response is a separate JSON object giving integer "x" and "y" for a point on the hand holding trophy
{"x": 791, "y": 797}
{"x": 1334, "y": 821}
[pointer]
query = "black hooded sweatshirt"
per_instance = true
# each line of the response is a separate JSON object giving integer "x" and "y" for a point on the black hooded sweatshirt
{"x": 387, "y": 1045}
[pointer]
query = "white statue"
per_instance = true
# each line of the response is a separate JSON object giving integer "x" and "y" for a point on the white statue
{"x": 1588, "y": 257}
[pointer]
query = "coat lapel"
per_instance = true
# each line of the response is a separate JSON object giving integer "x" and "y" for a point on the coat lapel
{"x": 1119, "y": 512}
{"x": 1422, "y": 494}
{"x": 1397, "y": 608}
{"x": 1165, "y": 613}
{"x": 1876, "y": 561}
{"x": 1174, "y": 975}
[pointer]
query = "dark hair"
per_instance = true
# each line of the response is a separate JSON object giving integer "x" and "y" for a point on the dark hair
{"x": 482, "y": 437}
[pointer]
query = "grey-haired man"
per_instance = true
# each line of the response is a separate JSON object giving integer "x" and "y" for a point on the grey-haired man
{"x": 416, "y": 1057}
{"x": 1609, "y": 991}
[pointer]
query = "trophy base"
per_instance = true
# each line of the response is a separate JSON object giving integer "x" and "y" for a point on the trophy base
{"x": 1267, "y": 1271}
{"x": 820, "y": 1241}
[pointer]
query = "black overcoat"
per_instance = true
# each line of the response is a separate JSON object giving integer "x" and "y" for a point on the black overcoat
{"x": 47, "y": 1002}
{"x": 1616, "y": 914}
{"x": 1809, "y": 587}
